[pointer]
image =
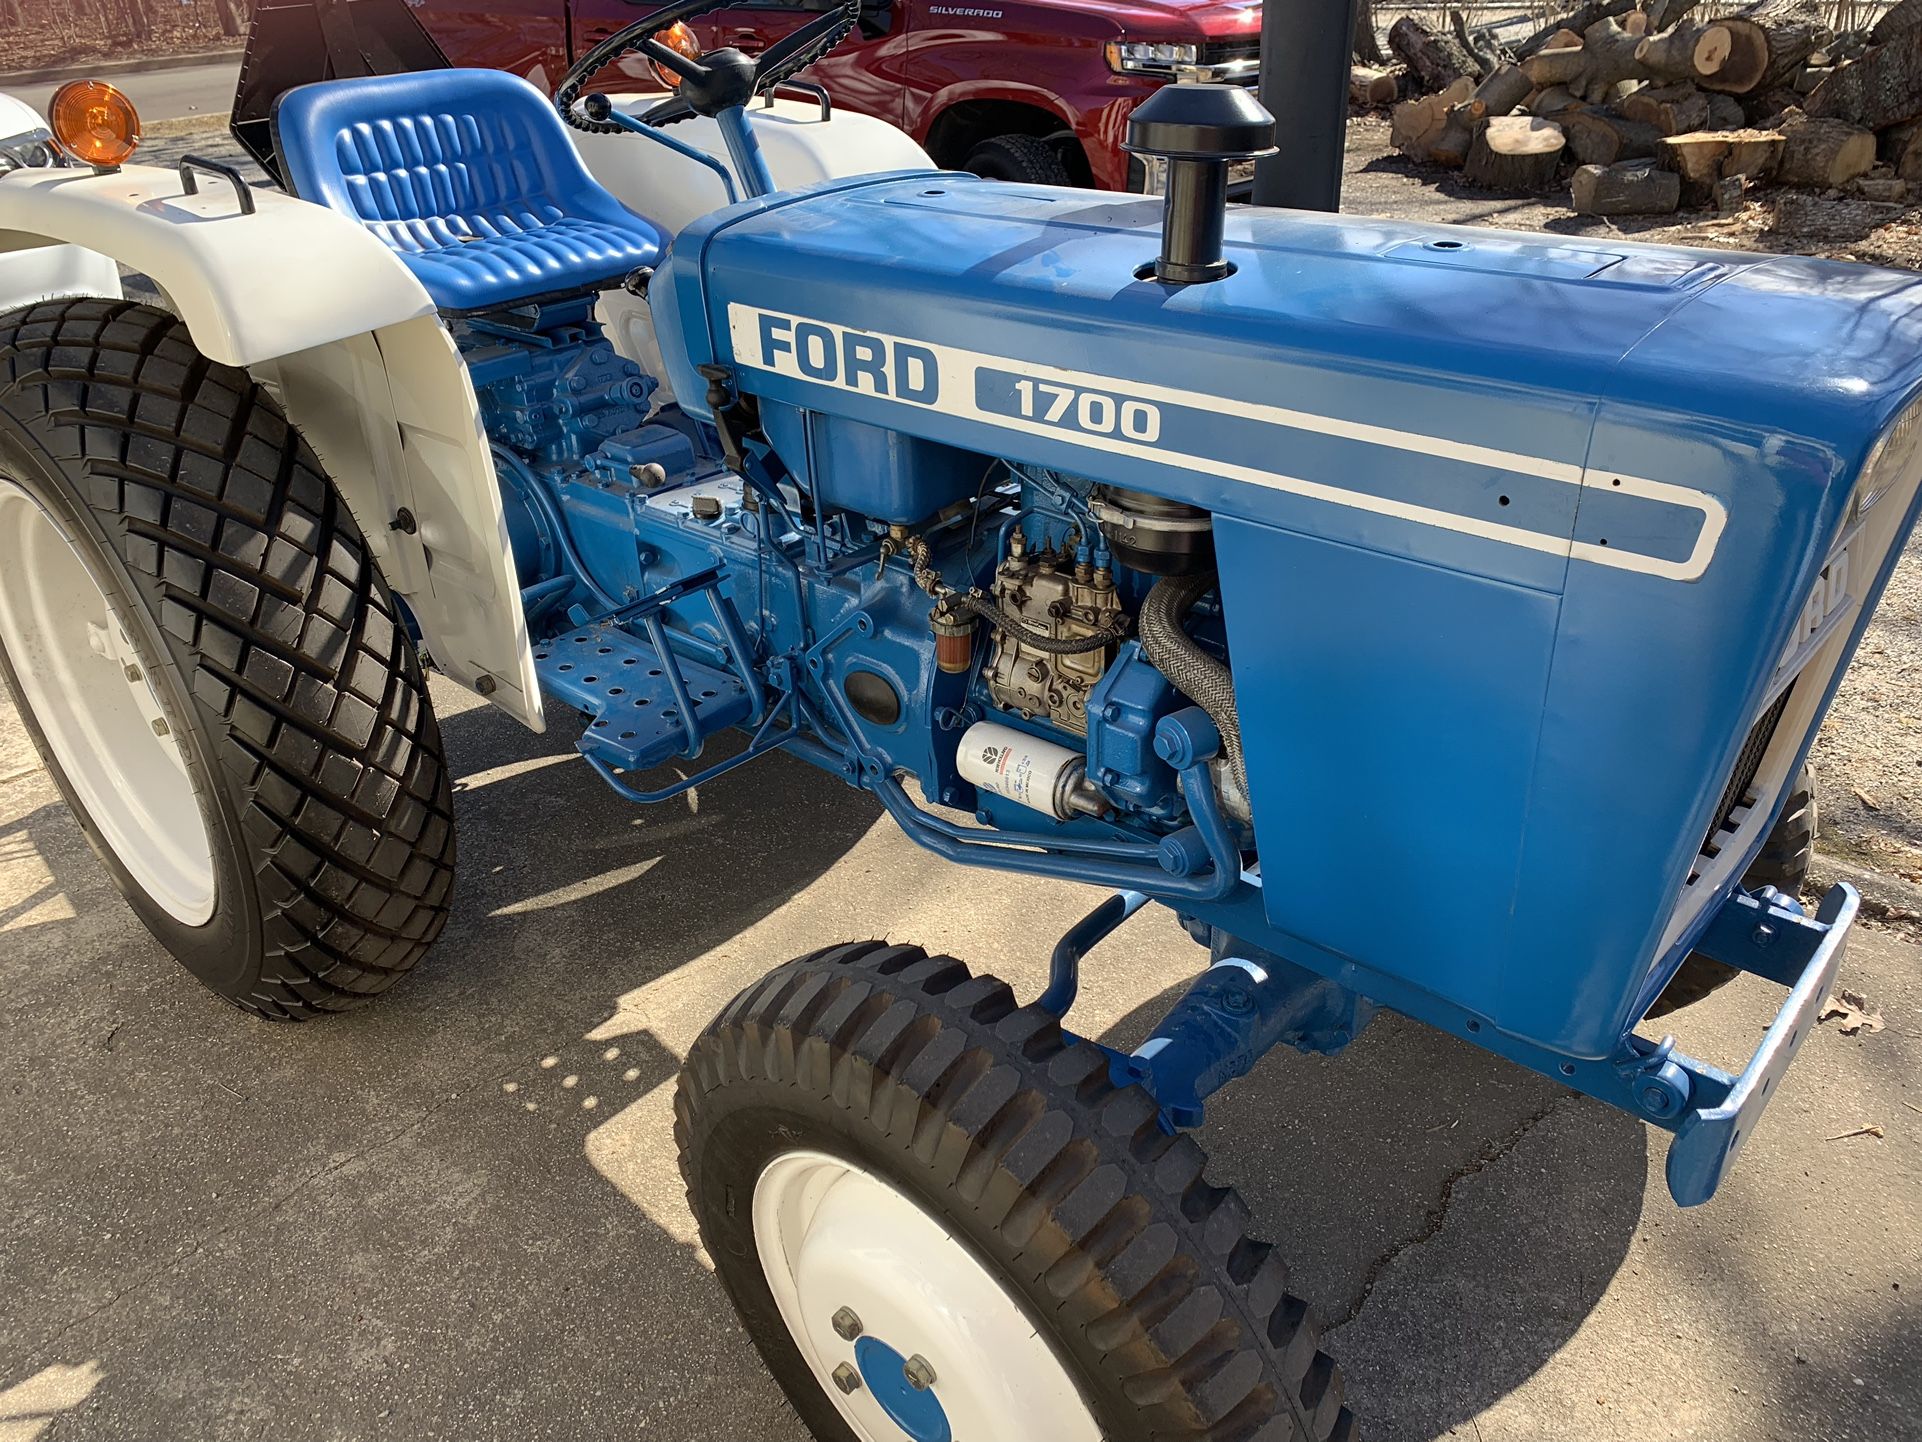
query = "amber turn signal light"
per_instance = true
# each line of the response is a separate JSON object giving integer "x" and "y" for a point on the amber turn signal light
{"x": 95, "y": 123}
{"x": 676, "y": 37}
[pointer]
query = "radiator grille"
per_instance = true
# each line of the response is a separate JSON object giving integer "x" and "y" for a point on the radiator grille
{"x": 1735, "y": 794}
{"x": 1223, "y": 52}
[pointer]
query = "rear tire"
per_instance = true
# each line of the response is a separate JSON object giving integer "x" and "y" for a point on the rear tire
{"x": 238, "y": 599}
{"x": 1783, "y": 863}
{"x": 1043, "y": 1192}
{"x": 1025, "y": 158}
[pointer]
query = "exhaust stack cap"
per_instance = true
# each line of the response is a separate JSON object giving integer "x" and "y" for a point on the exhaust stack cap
{"x": 1199, "y": 130}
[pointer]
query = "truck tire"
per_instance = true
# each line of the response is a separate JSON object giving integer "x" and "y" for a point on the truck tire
{"x": 1026, "y": 158}
{"x": 207, "y": 658}
{"x": 935, "y": 1212}
{"x": 1783, "y": 862}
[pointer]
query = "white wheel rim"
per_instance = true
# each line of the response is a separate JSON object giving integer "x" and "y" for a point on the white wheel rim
{"x": 831, "y": 1237}
{"x": 88, "y": 690}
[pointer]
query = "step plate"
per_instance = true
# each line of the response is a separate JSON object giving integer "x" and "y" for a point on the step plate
{"x": 619, "y": 681}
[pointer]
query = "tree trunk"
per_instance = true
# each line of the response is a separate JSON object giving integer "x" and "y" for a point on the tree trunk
{"x": 1563, "y": 65}
{"x": 1881, "y": 89}
{"x": 1424, "y": 125}
{"x": 1824, "y": 153}
{"x": 1578, "y": 21}
{"x": 233, "y": 18}
{"x": 1438, "y": 59}
{"x": 1552, "y": 101}
{"x": 1664, "y": 13}
{"x": 1898, "y": 19}
{"x": 1746, "y": 65}
{"x": 1687, "y": 52}
{"x": 1367, "y": 39}
{"x": 1598, "y": 138}
{"x": 1515, "y": 153}
{"x": 1635, "y": 189}
{"x": 1671, "y": 109}
{"x": 1504, "y": 90}
{"x": 1901, "y": 149}
{"x": 1610, "y": 52}
{"x": 1368, "y": 86}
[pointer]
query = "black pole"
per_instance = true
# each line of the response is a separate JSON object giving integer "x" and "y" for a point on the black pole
{"x": 1305, "y": 49}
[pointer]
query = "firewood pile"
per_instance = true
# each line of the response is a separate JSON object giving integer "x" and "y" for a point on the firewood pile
{"x": 1643, "y": 107}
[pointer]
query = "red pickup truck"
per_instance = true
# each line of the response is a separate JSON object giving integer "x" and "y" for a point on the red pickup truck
{"x": 1036, "y": 90}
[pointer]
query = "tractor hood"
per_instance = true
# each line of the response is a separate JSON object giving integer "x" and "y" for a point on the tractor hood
{"x": 1521, "y": 538}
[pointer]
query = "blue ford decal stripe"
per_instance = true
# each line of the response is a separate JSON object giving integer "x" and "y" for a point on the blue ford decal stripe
{"x": 1173, "y": 427}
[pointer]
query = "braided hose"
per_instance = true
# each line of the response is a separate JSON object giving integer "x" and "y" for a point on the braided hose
{"x": 1200, "y": 676}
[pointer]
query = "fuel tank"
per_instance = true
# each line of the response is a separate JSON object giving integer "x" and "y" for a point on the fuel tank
{"x": 1540, "y": 557}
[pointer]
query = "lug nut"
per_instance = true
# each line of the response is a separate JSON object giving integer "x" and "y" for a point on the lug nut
{"x": 919, "y": 1374}
{"x": 847, "y": 1379}
{"x": 134, "y": 673}
{"x": 847, "y": 1326}
{"x": 159, "y": 727}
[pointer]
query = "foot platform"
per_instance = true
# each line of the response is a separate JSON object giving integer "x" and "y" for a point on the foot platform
{"x": 645, "y": 709}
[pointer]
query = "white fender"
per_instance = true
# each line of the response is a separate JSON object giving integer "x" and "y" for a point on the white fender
{"x": 326, "y": 317}
{"x": 32, "y": 270}
{"x": 250, "y": 287}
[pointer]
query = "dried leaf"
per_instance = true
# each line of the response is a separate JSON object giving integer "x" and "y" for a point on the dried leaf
{"x": 1864, "y": 797}
{"x": 1851, "y": 1010}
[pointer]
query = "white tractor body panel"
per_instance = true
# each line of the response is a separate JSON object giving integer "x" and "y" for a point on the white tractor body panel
{"x": 287, "y": 278}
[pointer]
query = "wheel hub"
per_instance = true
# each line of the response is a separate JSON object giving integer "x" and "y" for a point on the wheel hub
{"x": 83, "y": 680}
{"x": 939, "y": 1348}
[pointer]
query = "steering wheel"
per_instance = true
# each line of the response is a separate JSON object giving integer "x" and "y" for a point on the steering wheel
{"x": 719, "y": 80}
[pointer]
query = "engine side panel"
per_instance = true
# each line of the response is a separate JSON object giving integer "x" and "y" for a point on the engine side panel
{"x": 1502, "y": 595}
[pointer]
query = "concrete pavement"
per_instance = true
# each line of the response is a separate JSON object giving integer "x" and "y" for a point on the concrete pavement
{"x": 457, "y": 1215}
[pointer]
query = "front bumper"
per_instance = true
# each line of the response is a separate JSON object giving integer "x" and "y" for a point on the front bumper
{"x": 1720, "y": 1111}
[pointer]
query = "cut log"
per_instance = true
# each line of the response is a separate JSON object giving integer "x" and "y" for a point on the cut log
{"x": 1888, "y": 189}
{"x": 1439, "y": 60}
{"x": 1671, "y": 109}
{"x": 1810, "y": 77}
{"x": 1559, "y": 66}
{"x": 1687, "y": 52}
{"x": 1578, "y": 21}
{"x": 1552, "y": 101}
{"x": 1725, "y": 112}
{"x": 1609, "y": 53}
{"x": 1704, "y": 156}
{"x": 1824, "y": 152}
{"x": 1745, "y": 65}
{"x": 1664, "y": 13}
{"x": 1898, "y": 19}
{"x": 1503, "y": 92}
{"x": 1436, "y": 129}
{"x": 1900, "y": 148}
{"x": 1369, "y": 86}
{"x": 1598, "y": 138}
{"x": 1881, "y": 89}
{"x": 1634, "y": 189}
{"x": 1730, "y": 192}
{"x": 1636, "y": 22}
{"x": 1489, "y": 57}
{"x": 1515, "y": 153}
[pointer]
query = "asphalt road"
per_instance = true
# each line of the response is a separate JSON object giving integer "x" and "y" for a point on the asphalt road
{"x": 457, "y": 1213}
{"x": 158, "y": 94}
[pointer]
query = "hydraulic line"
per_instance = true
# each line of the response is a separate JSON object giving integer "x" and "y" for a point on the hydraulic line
{"x": 1173, "y": 652}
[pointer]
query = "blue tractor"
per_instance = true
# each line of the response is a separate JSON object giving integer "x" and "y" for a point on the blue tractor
{"x": 1434, "y": 619}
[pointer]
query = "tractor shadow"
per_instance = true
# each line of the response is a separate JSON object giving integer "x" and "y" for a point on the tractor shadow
{"x": 1366, "y": 1169}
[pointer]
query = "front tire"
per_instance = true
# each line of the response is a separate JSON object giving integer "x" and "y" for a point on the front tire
{"x": 892, "y": 1165}
{"x": 206, "y": 657}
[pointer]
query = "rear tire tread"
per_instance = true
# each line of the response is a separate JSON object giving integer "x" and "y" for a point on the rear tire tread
{"x": 269, "y": 601}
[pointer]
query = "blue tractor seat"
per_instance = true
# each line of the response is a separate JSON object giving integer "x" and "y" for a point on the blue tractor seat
{"x": 469, "y": 176}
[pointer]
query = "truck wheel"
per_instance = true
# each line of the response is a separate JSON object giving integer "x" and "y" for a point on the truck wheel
{"x": 211, "y": 666}
{"x": 1783, "y": 862}
{"x": 939, "y": 1217}
{"x": 1026, "y": 158}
